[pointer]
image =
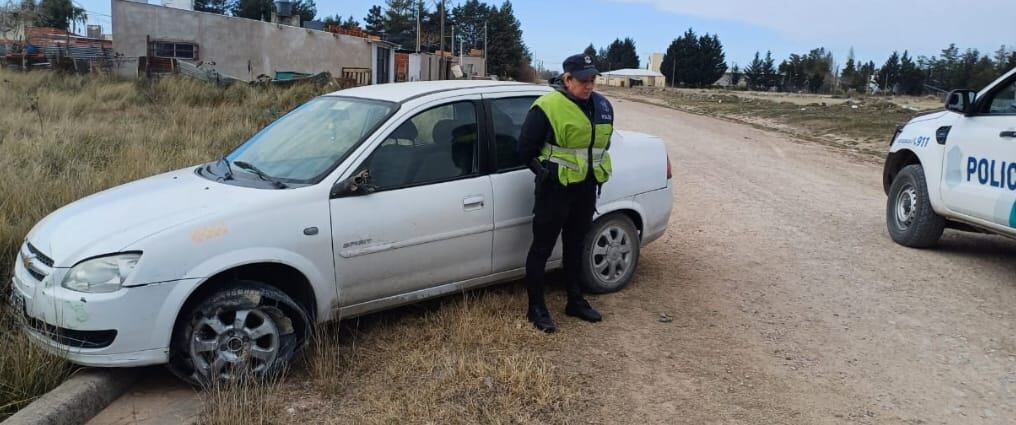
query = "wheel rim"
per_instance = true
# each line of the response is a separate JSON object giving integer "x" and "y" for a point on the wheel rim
{"x": 612, "y": 254}
{"x": 906, "y": 206}
{"x": 228, "y": 344}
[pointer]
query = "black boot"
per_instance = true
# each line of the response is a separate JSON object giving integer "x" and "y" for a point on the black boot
{"x": 540, "y": 317}
{"x": 580, "y": 308}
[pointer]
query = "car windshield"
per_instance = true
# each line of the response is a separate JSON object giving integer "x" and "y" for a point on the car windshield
{"x": 310, "y": 140}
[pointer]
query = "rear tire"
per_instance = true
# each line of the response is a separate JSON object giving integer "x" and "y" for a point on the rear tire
{"x": 909, "y": 217}
{"x": 246, "y": 329}
{"x": 610, "y": 255}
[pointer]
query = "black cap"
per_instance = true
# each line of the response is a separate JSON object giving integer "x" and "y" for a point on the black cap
{"x": 580, "y": 66}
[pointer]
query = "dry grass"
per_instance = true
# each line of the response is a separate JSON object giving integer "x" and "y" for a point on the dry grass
{"x": 463, "y": 359}
{"x": 26, "y": 370}
{"x": 244, "y": 401}
{"x": 862, "y": 124}
{"x": 64, "y": 137}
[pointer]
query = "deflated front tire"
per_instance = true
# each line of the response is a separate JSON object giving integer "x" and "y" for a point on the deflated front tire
{"x": 246, "y": 328}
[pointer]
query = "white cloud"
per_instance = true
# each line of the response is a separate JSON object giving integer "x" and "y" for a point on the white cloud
{"x": 928, "y": 25}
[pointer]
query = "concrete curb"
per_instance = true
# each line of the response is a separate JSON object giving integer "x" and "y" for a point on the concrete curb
{"x": 78, "y": 399}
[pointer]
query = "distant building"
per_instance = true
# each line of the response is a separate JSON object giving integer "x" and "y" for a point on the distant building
{"x": 179, "y": 4}
{"x": 727, "y": 80}
{"x": 632, "y": 77}
{"x": 94, "y": 31}
{"x": 243, "y": 48}
{"x": 655, "y": 61}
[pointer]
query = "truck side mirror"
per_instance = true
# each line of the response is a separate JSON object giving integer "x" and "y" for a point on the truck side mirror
{"x": 961, "y": 101}
{"x": 356, "y": 185}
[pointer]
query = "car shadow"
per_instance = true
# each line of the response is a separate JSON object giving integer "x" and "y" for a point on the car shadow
{"x": 984, "y": 249}
{"x": 513, "y": 292}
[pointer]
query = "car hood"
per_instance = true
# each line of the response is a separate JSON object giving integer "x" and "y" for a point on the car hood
{"x": 111, "y": 220}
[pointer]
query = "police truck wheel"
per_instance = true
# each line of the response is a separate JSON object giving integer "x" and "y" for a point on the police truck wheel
{"x": 611, "y": 254}
{"x": 245, "y": 330}
{"x": 909, "y": 216}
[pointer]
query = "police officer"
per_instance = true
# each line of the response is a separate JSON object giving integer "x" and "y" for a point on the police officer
{"x": 564, "y": 140}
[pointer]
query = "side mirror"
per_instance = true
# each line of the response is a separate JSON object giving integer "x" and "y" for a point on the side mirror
{"x": 356, "y": 185}
{"x": 961, "y": 101}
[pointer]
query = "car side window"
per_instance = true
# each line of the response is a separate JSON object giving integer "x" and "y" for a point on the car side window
{"x": 436, "y": 145}
{"x": 1004, "y": 101}
{"x": 508, "y": 114}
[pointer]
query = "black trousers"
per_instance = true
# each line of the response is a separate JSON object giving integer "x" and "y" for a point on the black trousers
{"x": 566, "y": 211}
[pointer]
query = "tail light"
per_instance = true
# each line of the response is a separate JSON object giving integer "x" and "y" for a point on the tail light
{"x": 670, "y": 173}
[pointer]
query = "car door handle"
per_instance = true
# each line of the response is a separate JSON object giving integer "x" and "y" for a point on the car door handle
{"x": 1008, "y": 134}
{"x": 471, "y": 203}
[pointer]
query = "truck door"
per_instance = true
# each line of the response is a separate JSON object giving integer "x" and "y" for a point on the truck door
{"x": 979, "y": 169}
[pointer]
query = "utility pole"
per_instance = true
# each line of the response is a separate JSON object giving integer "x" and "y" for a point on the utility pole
{"x": 442, "y": 26}
{"x": 485, "y": 48}
{"x": 418, "y": 30}
{"x": 451, "y": 48}
{"x": 673, "y": 71}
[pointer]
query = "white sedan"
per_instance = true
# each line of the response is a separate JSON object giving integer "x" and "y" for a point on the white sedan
{"x": 357, "y": 201}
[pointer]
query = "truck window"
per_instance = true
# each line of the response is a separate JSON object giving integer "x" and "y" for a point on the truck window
{"x": 1004, "y": 101}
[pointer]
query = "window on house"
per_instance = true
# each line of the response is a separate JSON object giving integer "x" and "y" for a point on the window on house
{"x": 170, "y": 49}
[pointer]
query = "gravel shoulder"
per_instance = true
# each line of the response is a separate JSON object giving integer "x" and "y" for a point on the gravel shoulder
{"x": 790, "y": 302}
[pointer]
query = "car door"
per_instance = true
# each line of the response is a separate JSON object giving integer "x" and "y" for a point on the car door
{"x": 429, "y": 220}
{"x": 980, "y": 163}
{"x": 512, "y": 182}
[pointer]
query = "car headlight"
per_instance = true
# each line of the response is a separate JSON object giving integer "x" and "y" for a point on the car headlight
{"x": 103, "y": 274}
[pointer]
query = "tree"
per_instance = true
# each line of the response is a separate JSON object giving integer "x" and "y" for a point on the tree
{"x": 850, "y": 73}
{"x": 769, "y": 74}
{"x": 911, "y": 76}
{"x": 694, "y": 61}
{"x": 712, "y": 62}
{"x": 866, "y": 73}
{"x": 375, "y": 21}
{"x": 59, "y": 14}
{"x": 621, "y": 54}
{"x": 818, "y": 65}
{"x": 678, "y": 59}
{"x": 598, "y": 57}
{"x": 735, "y": 75}
{"x": 754, "y": 73}
{"x": 306, "y": 9}
{"x": 601, "y": 59}
{"x": 252, "y": 9}
{"x": 400, "y": 22}
{"x": 469, "y": 18}
{"x": 889, "y": 74}
{"x": 337, "y": 21}
{"x": 211, "y": 6}
{"x": 507, "y": 55}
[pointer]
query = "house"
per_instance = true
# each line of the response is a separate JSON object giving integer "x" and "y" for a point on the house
{"x": 655, "y": 61}
{"x": 632, "y": 77}
{"x": 727, "y": 80}
{"x": 242, "y": 48}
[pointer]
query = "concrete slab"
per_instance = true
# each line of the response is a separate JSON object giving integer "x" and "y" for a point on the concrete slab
{"x": 77, "y": 399}
{"x": 158, "y": 398}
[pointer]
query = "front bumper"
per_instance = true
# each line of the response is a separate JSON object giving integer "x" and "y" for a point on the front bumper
{"x": 117, "y": 329}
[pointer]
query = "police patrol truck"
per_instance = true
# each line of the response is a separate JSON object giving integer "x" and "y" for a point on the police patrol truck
{"x": 955, "y": 168}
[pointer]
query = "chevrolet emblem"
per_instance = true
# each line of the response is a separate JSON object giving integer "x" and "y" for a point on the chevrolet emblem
{"x": 27, "y": 260}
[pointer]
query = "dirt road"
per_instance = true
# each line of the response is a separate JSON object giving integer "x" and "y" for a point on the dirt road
{"x": 790, "y": 303}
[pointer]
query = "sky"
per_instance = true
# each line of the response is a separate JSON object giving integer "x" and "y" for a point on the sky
{"x": 554, "y": 29}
